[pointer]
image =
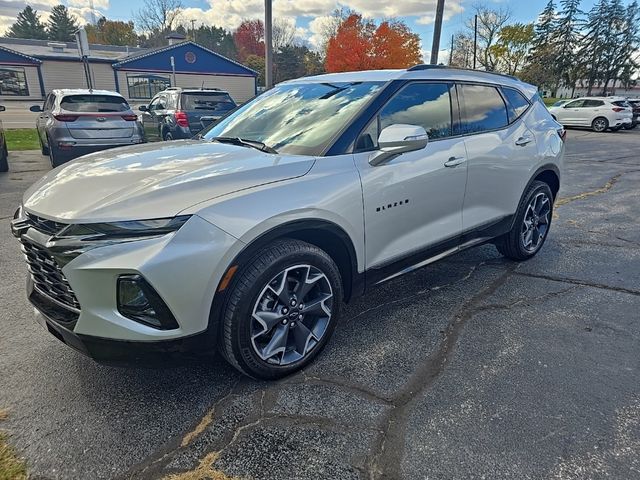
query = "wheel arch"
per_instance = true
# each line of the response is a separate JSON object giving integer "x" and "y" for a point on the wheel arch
{"x": 549, "y": 174}
{"x": 324, "y": 234}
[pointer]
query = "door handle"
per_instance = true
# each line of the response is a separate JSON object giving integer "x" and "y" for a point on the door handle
{"x": 522, "y": 141}
{"x": 454, "y": 161}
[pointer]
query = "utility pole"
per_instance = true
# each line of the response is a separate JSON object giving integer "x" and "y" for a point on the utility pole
{"x": 268, "y": 45}
{"x": 437, "y": 29}
{"x": 193, "y": 30}
{"x": 475, "y": 40}
{"x": 451, "y": 52}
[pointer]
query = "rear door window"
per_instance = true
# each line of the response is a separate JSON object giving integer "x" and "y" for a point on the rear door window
{"x": 516, "y": 103}
{"x": 209, "y": 101}
{"x": 482, "y": 109}
{"x": 593, "y": 103}
{"x": 94, "y": 103}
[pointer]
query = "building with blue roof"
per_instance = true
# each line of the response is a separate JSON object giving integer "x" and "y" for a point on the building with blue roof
{"x": 29, "y": 69}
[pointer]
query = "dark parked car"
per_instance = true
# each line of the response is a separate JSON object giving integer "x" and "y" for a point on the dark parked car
{"x": 4, "y": 153}
{"x": 178, "y": 112}
{"x": 76, "y": 122}
{"x": 635, "y": 104}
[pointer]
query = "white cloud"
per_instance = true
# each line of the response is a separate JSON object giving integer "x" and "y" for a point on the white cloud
{"x": 97, "y": 4}
{"x": 450, "y": 9}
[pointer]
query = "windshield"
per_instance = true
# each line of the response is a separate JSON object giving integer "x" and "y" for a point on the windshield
{"x": 207, "y": 101}
{"x": 297, "y": 118}
{"x": 94, "y": 103}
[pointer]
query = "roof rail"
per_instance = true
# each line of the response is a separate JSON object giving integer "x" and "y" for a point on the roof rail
{"x": 428, "y": 67}
{"x": 425, "y": 66}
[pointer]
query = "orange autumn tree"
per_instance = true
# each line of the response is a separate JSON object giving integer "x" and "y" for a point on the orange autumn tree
{"x": 350, "y": 48}
{"x": 359, "y": 45}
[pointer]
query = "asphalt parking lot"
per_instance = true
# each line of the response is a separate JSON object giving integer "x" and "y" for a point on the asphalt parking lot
{"x": 474, "y": 367}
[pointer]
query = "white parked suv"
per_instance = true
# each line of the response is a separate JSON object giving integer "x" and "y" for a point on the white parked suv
{"x": 598, "y": 113}
{"x": 250, "y": 238}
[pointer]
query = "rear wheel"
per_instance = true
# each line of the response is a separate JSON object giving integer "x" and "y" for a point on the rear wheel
{"x": 630, "y": 126}
{"x": 281, "y": 310}
{"x": 54, "y": 156}
{"x": 615, "y": 129}
{"x": 600, "y": 124}
{"x": 531, "y": 225}
{"x": 4, "y": 157}
{"x": 43, "y": 148}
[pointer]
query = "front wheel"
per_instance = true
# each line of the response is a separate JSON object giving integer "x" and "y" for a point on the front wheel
{"x": 600, "y": 124}
{"x": 167, "y": 136}
{"x": 531, "y": 225}
{"x": 281, "y": 310}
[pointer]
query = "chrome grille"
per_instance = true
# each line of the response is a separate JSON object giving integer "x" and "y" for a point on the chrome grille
{"x": 47, "y": 275}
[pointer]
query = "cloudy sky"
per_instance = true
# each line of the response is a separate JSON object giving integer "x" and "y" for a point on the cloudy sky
{"x": 308, "y": 15}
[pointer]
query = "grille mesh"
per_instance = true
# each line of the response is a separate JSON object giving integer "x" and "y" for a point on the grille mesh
{"x": 47, "y": 275}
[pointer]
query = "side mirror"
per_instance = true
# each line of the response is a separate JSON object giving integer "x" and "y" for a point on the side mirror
{"x": 143, "y": 108}
{"x": 2, "y": 108}
{"x": 35, "y": 108}
{"x": 397, "y": 139}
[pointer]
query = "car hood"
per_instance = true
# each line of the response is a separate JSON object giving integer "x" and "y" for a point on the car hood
{"x": 154, "y": 180}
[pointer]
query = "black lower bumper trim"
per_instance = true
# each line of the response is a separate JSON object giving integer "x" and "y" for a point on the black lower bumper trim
{"x": 129, "y": 353}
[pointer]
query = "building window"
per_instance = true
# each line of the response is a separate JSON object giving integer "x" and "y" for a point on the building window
{"x": 146, "y": 86}
{"x": 13, "y": 81}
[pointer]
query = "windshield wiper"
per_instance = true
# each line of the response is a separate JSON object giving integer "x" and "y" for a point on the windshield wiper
{"x": 243, "y": 142}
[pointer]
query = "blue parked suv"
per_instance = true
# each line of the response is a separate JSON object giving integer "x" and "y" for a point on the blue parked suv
{"x": 177, "y": 112}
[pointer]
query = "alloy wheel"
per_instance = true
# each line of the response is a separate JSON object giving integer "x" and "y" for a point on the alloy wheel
{"x": 291, "y": 315}
{"x": 599, "y": 125}
{"x": 536, "y": 222}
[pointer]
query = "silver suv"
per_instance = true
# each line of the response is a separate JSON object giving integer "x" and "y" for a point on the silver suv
{"x": 250, "y": 239}
{"x": 76, "y": 122}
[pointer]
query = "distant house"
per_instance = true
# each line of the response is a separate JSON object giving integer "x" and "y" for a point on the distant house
{"x": 618, "y": 88}
{"x": 29, "y": 69}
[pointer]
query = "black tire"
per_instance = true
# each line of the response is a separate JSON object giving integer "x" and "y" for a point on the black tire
{"x": 249, "y": 287}
{"x": 167, "y": 136}
{"x": 512, "y": 245}
{"x": 4, "y": 158}
{"x": 615, "y": 129}
{"x": 54, "y": 158}
{"x": 630, "y": 126}
{"x": 43, "y": 148}
{"x": 600, "y": 124}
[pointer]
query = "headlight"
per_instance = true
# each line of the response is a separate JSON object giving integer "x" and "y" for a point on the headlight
{"x": 125, "y": 230}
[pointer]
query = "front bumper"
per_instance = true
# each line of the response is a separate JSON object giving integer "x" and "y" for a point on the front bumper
{"x": 120, "y": 352}
{"x": 184, "y": 267}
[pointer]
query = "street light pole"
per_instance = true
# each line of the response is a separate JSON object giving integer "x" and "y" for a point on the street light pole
{"x": 268, "y": 45}
{"x": 437, "y": 29}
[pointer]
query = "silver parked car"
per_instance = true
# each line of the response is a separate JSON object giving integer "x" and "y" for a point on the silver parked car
{"x": 250, "y": 239}
{"x": 76, "y": 122}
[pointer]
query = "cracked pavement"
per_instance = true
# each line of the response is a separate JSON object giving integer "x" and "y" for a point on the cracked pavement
{"x": 473, "y": 367}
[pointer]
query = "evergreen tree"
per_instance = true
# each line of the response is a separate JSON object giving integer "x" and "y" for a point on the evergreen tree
{"x": 62, "y": 25}
{"x": 27, "y": 25}
{"x": 540, "y": 65}
{"x": 544, "y": 27}
{"x": 217, "y": 39}
{"x": 593, "y": 42}
{"x": 566, "y": 34}
{"x": 620, "y": 42}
